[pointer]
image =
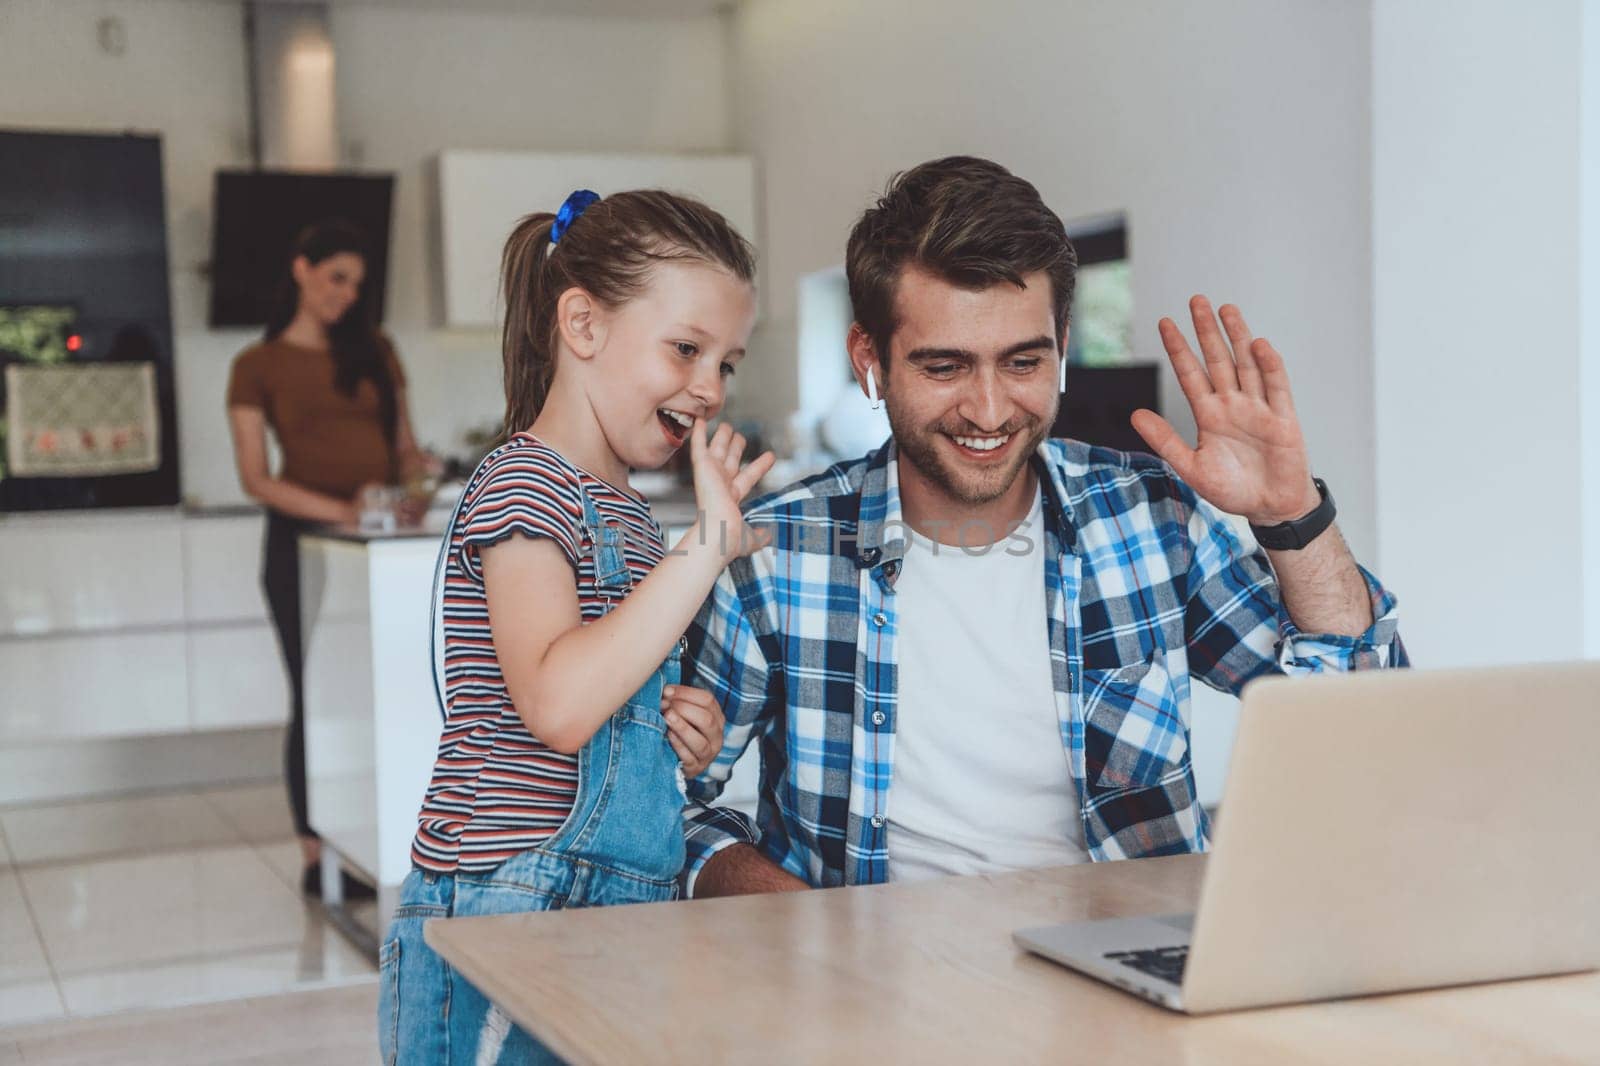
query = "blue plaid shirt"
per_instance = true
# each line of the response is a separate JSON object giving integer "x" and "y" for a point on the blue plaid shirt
{"x": 1147, "y": 586}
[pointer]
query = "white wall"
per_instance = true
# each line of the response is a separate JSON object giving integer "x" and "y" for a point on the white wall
{"x": 1235, "y": 136}
{"x": 1589, "y": 321}
{"x": 409, "y": 83}
{"x": 1476, "y": 325}
{"x": 413, "y": 82}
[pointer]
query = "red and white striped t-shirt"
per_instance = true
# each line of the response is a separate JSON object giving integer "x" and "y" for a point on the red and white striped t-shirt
{"x": 497, "y": 790}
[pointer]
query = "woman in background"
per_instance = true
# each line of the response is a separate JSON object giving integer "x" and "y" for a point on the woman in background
{"x": 330, "y": 386}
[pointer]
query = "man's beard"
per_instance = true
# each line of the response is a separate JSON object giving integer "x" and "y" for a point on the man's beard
{"x": 920, "y": 447}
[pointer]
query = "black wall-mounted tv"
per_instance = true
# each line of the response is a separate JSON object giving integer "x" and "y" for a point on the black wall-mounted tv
{"x": 256, "y": 215}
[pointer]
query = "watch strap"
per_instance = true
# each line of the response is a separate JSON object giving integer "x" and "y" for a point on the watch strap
{"x": 1292, "y": 536}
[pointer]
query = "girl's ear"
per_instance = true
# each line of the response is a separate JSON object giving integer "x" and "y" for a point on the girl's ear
{"x": 581, "y": 322}
{"x": 300, "y": 270}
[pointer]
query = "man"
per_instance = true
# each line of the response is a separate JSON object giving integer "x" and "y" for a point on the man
{"x": 972, "y": 649}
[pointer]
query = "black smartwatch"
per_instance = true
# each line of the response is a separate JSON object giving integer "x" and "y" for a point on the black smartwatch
{"x": 1292, "y": 536}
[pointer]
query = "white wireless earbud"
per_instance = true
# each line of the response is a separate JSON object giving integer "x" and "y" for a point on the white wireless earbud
{"x": 1063, "y": 387}
{"x": 872, "y": 391}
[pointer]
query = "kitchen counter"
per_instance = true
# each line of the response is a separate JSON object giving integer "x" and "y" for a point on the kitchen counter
{"x": 431, "y": 529}
{"x": 372, "y": 722}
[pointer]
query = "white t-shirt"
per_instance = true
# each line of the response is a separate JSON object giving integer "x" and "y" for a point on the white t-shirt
{"x": 981, "y": 782}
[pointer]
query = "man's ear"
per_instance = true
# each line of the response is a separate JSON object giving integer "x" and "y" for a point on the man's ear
{"x": 580, "y": 320}
{"x": 864, "y": 360}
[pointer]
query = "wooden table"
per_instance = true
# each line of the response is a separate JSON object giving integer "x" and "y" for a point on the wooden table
{"x": 928, "y": 973}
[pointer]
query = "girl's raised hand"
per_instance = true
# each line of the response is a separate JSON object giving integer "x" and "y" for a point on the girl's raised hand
{"x": 721, "y": 482}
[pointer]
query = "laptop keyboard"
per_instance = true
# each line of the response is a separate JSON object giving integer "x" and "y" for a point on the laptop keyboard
{"x": 1163, "y": 963}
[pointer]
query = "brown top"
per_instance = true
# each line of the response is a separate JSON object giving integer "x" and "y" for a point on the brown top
{"x": 331, "y": 442}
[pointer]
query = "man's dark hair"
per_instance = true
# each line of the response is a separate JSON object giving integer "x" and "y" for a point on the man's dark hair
{"x": 966, "y": 220}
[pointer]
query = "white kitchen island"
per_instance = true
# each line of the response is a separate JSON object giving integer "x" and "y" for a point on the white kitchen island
{"x": 372, "y": 722}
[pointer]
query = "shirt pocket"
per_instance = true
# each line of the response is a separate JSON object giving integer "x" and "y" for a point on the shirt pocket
{"x": 1134, "y": 733}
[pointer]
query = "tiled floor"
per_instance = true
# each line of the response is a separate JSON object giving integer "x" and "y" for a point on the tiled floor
{"x": 158, "y": 900}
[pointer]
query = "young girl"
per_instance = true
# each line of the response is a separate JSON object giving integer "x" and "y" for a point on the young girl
{"x": 558, "y": 781}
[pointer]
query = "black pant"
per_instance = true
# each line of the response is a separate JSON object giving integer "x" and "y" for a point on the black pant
{"x": 280, "y": 578}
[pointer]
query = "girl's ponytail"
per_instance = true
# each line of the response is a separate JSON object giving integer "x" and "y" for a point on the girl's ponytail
{"x": 526, "y": 334}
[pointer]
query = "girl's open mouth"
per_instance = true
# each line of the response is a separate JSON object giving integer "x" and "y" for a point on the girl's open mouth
{"x": 675, "y": 424}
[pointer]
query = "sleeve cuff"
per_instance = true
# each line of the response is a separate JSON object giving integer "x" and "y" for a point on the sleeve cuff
{"x": 473, "y": 541}
{"x": 1378, "y": 647}
{"x": 710, "y": 830}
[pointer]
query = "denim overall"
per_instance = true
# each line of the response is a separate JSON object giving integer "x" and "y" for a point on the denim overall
{"x": 621, "y": 843}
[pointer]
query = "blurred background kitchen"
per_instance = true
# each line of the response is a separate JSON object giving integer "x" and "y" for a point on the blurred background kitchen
{"x": 1403, "y": 194}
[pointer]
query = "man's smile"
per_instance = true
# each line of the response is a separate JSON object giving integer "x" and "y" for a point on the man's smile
{"x": 985, "y": 447}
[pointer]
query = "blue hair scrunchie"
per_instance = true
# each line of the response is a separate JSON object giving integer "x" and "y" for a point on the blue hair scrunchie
{"x": 570, "y": 212}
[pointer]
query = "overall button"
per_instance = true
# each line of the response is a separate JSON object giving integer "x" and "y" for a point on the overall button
{"x": 878, "y": 717}
{"x": 870, "y": 557}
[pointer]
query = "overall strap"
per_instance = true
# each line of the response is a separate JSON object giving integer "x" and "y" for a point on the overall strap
{"x": 609, "y": 539}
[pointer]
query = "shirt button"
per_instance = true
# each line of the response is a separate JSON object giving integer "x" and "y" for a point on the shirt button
{"x": 878, "y": 717}
{"x": 877, "y": 821}
{"x": 880, "y": 619}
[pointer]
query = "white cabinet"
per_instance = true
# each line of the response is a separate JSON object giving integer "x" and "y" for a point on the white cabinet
{"x": 222, "y": 568}
{"x": 481, "y": 195}
{"x": 77, "y": 573}
{"x": 93, "y": 685}
{"x": 236, "y": 678}
{"x": 372, "y": 722}
{"x": 236, "y": 675}
{"x": 134, "y": 623}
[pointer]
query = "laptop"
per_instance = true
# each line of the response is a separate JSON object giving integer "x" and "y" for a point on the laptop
{"x": 1381, "y": 831}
